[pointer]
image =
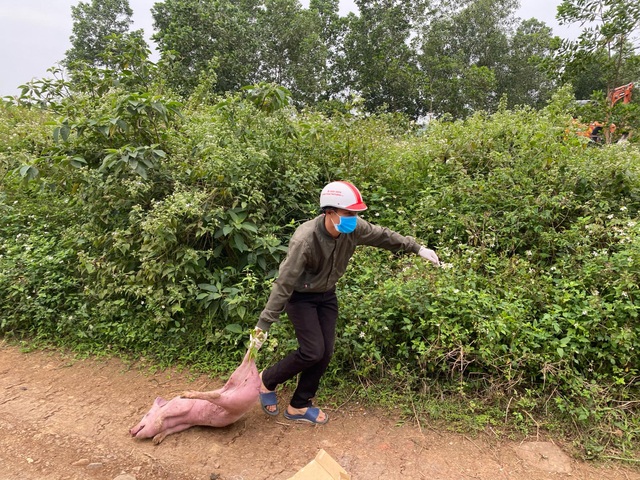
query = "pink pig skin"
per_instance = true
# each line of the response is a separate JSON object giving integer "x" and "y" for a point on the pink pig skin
{"x": 217, "y": 408}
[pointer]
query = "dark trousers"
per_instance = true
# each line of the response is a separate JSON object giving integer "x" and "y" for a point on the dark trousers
{"x": 313, "y": 316}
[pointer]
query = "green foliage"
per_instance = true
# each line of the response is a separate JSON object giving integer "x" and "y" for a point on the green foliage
{"x": 385, "y": 80}
{"x": 527, "y": 83}
{"x": 195, "y": 35}
{"x": 94, "y": 25}
{"x": 244, "y": 43}
{"x": 474, "y": 54}
{"x": 419, "y": 58}
{"x": 40, "y": 290}
{"x": 605, "y": 52}
{"x": 268, "y": 97}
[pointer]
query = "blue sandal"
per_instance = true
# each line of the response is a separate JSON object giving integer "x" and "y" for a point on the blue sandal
{"x": 310, "y": 416}
{"x": 269, "y": 399}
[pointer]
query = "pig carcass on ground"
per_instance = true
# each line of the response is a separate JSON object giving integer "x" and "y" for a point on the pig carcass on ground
{"x": 217, "y": 408}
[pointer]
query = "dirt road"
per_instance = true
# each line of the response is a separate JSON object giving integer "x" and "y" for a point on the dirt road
{"x": 64, "y": 418}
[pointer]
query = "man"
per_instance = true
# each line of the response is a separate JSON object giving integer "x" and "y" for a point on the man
{"x": 318, "y": 254}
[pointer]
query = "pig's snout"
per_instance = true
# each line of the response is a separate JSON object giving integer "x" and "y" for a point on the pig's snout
{"x": 158, "y": 403}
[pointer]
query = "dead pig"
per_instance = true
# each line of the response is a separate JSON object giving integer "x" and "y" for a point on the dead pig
{"x": 217, "y": 408}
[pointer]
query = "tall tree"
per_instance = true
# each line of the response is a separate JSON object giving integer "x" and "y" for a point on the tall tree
{"x": 245, "y": 42}
{"x": 525, "y": 81}
{"x": 195, "y": 36}
{"x": 96, "y": 26}
{"x": 611, "y": 29}
{"x": 379, "y": 58}
{"x": 463, "y": 52}
{"x": 586, "y": 73}
{"x": 323, "y": 80}
{"x": 295, "y": 47}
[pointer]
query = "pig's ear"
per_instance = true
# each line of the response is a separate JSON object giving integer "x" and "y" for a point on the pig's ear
{"x": 159, "y": 401}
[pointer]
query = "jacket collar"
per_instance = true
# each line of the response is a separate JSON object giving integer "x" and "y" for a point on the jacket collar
{"x": 322, "y": 228}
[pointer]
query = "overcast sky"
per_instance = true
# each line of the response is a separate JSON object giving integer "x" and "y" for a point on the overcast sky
{"x": 34, "y": 34}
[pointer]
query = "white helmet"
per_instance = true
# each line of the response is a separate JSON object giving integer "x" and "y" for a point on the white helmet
{"x": 342, "y": 195}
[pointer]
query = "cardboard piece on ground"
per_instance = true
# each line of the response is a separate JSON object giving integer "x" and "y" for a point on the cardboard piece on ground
{"x": 323, "y": 467}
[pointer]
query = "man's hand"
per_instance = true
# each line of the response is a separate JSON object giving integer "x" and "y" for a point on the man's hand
{"x": 429, "y": 255}
{"x": 257, "y": 338}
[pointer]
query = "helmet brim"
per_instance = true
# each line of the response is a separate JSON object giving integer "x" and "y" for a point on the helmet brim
{"x": 356, "y": 207}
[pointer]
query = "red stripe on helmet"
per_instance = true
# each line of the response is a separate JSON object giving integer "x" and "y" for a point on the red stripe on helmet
{"x": 359, "y": 205}
{"x": 355, "y": 191}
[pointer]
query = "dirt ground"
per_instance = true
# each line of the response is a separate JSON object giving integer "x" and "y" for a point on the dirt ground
{"x": 65, "y": 418}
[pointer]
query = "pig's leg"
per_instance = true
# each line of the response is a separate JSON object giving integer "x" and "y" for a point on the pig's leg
{"x": 208, "y": 396}
{"x": 162, "y": 435}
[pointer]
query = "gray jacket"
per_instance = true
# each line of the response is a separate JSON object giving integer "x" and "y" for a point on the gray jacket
{"x": 315, "y": 260}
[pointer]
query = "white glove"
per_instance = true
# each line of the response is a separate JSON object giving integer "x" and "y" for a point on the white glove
{"x": 257, "y": 338}
{"x": 429, "y": 255}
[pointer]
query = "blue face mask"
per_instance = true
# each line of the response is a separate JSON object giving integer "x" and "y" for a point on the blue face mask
{"x": 346, "y": 224}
